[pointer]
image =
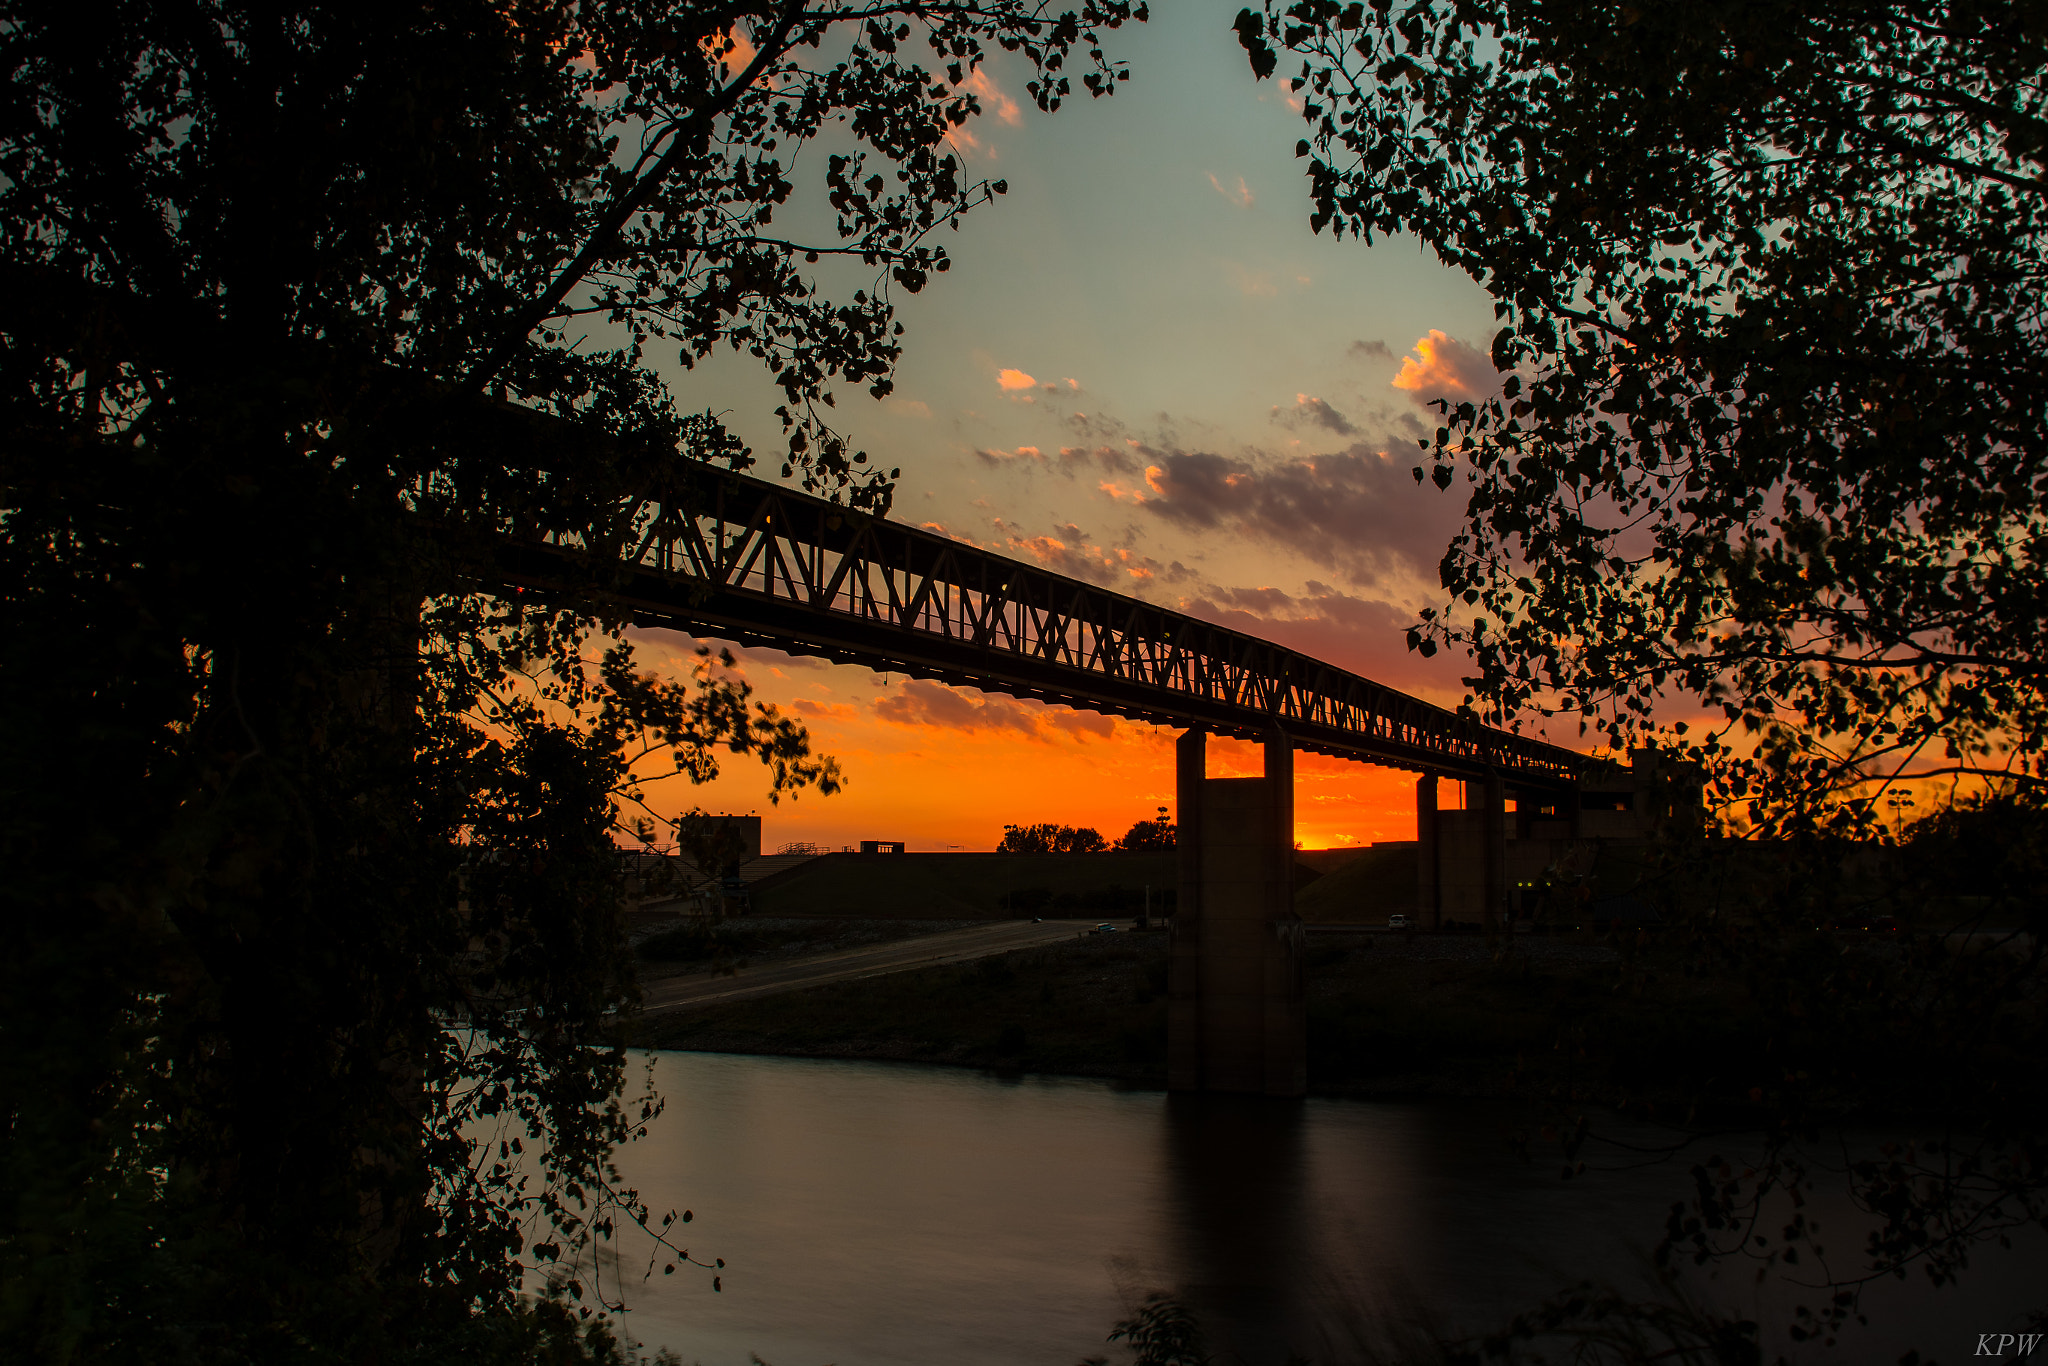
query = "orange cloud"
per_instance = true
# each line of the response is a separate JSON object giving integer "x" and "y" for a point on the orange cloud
{"x": 1005, "y": 108}
{"x": 1444, "y": 367}
{"x": 983, "y": 87}
{"x": 936, "y": 706}
{"x": 967, "y": 144}
{"x": 732, "y": 50}
{"x": 1092, "y": 563}
{"x": 949, "y": 533}
{"x": 1240, "y": 196}
{"x": 1015, "y": 379}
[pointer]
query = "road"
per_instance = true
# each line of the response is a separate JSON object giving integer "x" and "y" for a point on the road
{"x": 872, "y": 960}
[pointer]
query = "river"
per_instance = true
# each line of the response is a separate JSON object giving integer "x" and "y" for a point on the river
{"x": 877, "y": 1214}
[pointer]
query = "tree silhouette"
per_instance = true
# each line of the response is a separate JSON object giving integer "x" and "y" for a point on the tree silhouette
{"x": 1150, "y": 836}
{"x": 310, "y": 834}
{"x": 1769, "y": 437}
{"x": 1768, "y": 445}
{"x": 1051, "y": 839}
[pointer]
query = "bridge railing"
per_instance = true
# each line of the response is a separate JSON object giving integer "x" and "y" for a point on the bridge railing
{"x": 739, "y": 557}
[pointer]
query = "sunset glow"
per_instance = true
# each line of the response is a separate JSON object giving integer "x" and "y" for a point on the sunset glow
{"x": 943, "y": 767}
{"x": 1144, "y": 373}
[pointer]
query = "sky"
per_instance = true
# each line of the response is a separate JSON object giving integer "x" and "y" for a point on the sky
{"x": 1143, "y": 370}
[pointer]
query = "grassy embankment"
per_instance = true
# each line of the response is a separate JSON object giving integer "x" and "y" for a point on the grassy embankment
{"x": 1388, "y": 1015}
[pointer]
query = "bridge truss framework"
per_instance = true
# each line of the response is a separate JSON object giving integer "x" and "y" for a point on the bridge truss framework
{"x": 723, "y": 555}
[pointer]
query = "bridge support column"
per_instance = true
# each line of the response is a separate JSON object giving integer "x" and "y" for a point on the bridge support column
{"x": 1237, "y": 1007}
{"x": 1493, "y": 838}
{"x": 1184, "y": 941}
{"x": 1429, "y": 906}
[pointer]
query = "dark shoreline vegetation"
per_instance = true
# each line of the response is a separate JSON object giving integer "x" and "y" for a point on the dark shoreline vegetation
{"x": 1622, "y": 1019}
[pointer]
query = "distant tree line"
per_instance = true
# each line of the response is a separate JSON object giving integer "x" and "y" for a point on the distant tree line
{"x": 1144, "y": 837}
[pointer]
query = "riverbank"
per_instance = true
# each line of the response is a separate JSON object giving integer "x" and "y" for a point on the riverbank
{"x": 1390, "y": 1015}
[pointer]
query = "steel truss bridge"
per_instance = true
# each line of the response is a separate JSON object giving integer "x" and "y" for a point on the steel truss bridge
{"x": 723, "y": 555}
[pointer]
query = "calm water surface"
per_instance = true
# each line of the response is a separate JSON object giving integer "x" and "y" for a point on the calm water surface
{"x": 875, "y": 1214}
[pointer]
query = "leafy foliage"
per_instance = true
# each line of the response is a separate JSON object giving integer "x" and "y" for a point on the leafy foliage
{"x": 1051, "y": 839}
{"x": 1769, "y": 443}
{"x": 310, "y": 833}
{"x": 1770, "y": 438}
{"x": 1148, "y": 836}
{"x": 1161, "y": 1331}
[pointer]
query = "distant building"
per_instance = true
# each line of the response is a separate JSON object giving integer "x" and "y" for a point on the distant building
{"x": 884, "y": 846}
{"x": 725, "y": 840}
{"x": 747, "y": 829}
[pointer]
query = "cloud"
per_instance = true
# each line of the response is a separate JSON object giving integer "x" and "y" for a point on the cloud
{"x": 1240, "y": 196}
{"x": 1072, "y": 383}
{"x": 733, "y": 50}
{"x": 834, "y": 711}
{"x": 1073, "y": 557}
{"x": 1023, "y": 454}
{"x": 1313, "y": 411}
{"x": 1443, "y": 367}
{"x": 1370, "y": 350}
{"x": 967, "y": 144}
{"x": 1099, "y": 427}
{"x": 1253, "y": 284}
{"x": 1015, "y": 379}
{"x": 940, "y": 528}
{"x": 985, "y": 89}
{"x": 912, "y": 406}
{"x": 920, "y": 702}
{"x": 678, "y": 651}
{"x": 1079, "y": 725}
{"x": 1366, "y": 635}
{"x": 992, "y": 100}
{"x": 1357, "y": 512}
{"x": 1074, "y": 460}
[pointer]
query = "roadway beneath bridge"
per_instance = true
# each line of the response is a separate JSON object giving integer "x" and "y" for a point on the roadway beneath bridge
{"x": 846, "y": 965}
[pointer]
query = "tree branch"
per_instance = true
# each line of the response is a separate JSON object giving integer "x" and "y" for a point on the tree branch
{"x": 604, "y": 236}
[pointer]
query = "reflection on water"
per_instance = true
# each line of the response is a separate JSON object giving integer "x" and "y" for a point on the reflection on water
{"x": 873, "y": 1214}
{"x": 1237, "y": 1179}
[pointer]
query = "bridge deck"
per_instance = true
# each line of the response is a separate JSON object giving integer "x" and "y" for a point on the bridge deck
{"x": 736, "y": 558}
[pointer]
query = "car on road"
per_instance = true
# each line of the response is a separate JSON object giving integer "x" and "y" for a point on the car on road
{"x": 1104, "y": 928}
{"x": 1398, "y": 922}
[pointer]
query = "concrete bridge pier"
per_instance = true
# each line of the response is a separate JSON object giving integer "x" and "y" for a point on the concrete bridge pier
{"x": 1462, "y": 855}
{"x": 1237, "y": 1017}
{"x": 1429, "y": 906}
{"x": 1493, "y": 834}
